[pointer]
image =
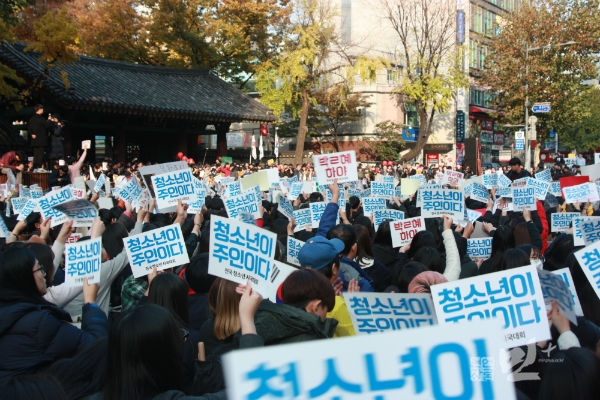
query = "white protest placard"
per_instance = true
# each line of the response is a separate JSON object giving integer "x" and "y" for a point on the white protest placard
{"x": 286, "y": 208}
{"x": 370, "y": 204}
{"x": 172, "y": 186}
{"x": 77, "y": 193}
{"x": 582, "y": 193}
{"x": 593, "y": 171}
{"x": 544, "y": 175}
{"x": 490, "y": 181}
{"x": 81, "y": 211}
{"x": 29, "y": 207}
{"x": 589, "y": 261}
{"x": 341, "y": 166}
{"x": 452, "y": 178}
{"x": 404, "y": 231}
{"x": 86, "y": 144}
{"x": 156, "y": 169}
{"x": 451, "y": 362}
{"x": 83, "y": 260}
{"x": 565, "y": 275}
{"x": 439, "y": 202}
{"x": 293, "y": 248}
{"x": 99, "y": 184}
{"x": 409, "y": 186}
{"x": 555, "y": 289}
{"x": 479, "y": 248}
{"x": 590, "y": 230}
{"x": 504, "y": 181}
{"x": 232, "y": 189}
{"x": 295, "y": 190}
{"x": 54, "y": 198}
{"x": 384, "y": 190}
{"x": 578, "y": 239}
{"x": 382, "y": 312}
{"x": 18, "y": 203}
{"x": 249, "y": 201}
{"x": 316, "y": 211}
{"x": 241, "y": 252}
{"x": 201, "y": 191}
{"x": 4, "y": 232}
{"x": 523, "y": 198}
{"x": 541, "y": 187}
{"x": 160, "y": 248}
{"x": 555, "y": 189}
{"x": 24, "y": 192}
{"x": 514, "y": 296}
{"x": 303, "y": 219}
{"x": 105, "y": 202}
{"x": 73, "y": 237}
{"x": 379, "y": 216}
{"x": 561, "y": 222}
{"x": 479, "y": 192}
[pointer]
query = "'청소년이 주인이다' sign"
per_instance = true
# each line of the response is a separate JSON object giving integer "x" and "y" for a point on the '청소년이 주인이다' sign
{"x": 241, "y": 252}
{"x": 160, "y": 248}
{"x": 81, "y": 211}
{"x": 172, "y": 186}
{"x": 589, "y": 261}
{"x": 439, "y": 202}
{"x": 514, "y": 296}
{"x": 293, "y": 249}
{"x": 432, "y": 362}
{"x": 383, "y": 312}
{"x": 479, "y": 248}
{"x": 561, "y": 222}
{"x": 83, "y": 260}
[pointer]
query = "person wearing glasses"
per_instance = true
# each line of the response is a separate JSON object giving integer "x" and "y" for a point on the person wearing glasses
{"x": 34, "y": 332}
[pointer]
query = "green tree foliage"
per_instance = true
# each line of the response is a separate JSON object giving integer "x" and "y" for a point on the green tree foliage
{"x": 335, "y": 111}
{"x": 313, "y": 57}
{"x": 389, "y": 142}
{"x": 583, "y": 130}
{"x": 426, "y": 33}
{"x": 552, "y": 46}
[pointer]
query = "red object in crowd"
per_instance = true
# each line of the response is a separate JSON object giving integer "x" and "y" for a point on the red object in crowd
{"x": 263, "y": 130}
{"x": 180, "y": 155}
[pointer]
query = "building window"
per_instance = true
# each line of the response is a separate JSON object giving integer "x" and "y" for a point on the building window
{"x": 411, "y": 117}
{"x": 476, "y": 18}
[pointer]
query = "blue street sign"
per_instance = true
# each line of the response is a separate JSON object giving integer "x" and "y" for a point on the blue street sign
{"x": 541, "y": 108}
{"x": 519, "y": 144}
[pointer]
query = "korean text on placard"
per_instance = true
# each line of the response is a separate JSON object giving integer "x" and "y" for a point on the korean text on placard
{"x": 381, "y": 312}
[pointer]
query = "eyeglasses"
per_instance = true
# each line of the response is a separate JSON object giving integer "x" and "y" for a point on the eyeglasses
{"x": 41, "y": 269}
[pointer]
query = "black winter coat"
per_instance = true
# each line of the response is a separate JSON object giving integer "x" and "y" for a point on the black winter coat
{"x": 33, "y": 336}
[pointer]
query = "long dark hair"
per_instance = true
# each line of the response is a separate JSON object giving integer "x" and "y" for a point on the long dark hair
{"x": 16, "y": 275}
{"x": 170, "y": 291}
{"x": 145, "y": 349}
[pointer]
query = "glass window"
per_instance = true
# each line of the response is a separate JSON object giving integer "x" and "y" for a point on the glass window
{"x": 411, "y": 117}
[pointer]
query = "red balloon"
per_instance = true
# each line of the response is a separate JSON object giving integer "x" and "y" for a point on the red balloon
{"x": 191, "y": 161}
{"x": 179, "y": 155}
{"x": 184, "y": 158}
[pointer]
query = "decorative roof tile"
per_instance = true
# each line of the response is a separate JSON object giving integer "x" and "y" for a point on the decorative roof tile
{"x": 120, "y": 87}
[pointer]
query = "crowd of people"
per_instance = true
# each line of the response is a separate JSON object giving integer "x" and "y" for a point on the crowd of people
{"x": 162, "y": 336}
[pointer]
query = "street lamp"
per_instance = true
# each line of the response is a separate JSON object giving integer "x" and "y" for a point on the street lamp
{"x": 527, "y": 104}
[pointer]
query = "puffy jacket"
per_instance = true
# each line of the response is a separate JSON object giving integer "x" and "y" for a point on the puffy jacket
{"x": 282, "y": 323}
{"x": 32, "y": 336}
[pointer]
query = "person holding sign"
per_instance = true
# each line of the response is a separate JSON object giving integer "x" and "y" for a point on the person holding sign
{"x": 34, "y": 332}
{"x": 132, "y": 374}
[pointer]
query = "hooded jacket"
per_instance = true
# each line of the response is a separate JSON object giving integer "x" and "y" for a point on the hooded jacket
{"x": 33, "y": 336}
{"x": 282, "y": 323}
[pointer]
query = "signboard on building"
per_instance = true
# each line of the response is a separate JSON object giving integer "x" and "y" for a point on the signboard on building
{"x": 460, "y": 125}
